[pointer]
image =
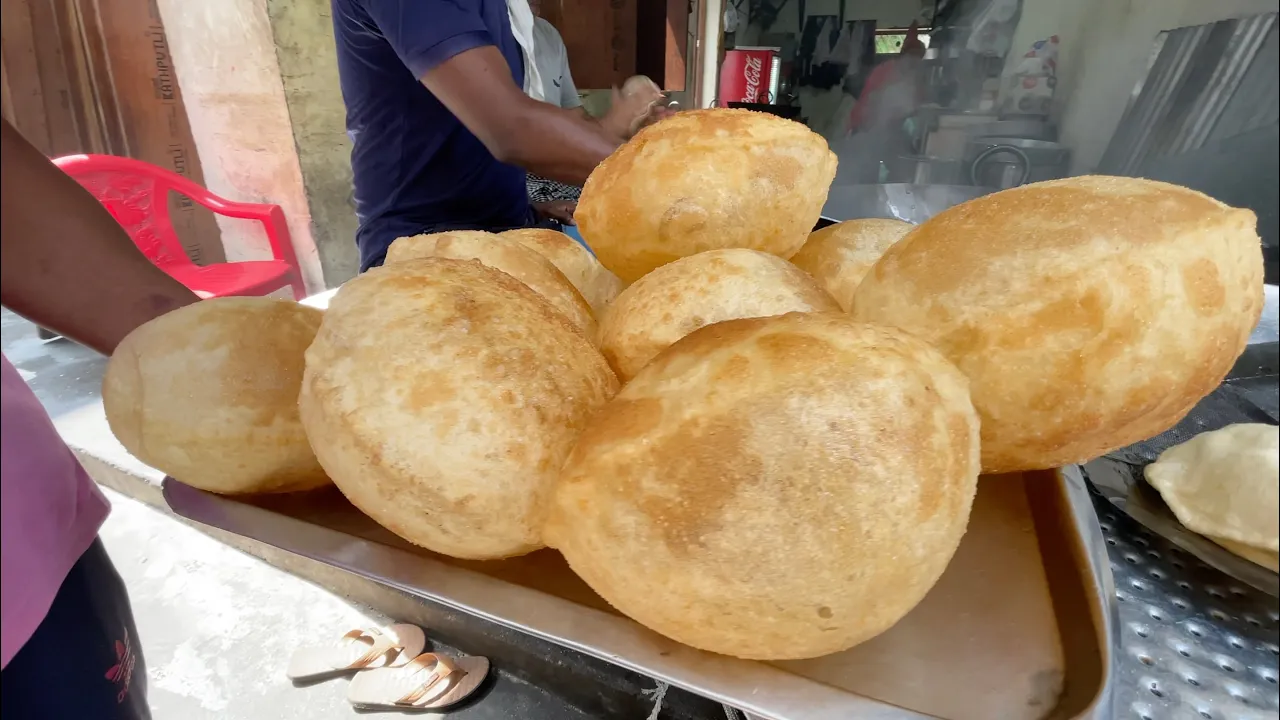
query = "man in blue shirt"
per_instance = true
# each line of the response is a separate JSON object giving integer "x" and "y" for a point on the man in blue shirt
{"x": 442, "y": 130}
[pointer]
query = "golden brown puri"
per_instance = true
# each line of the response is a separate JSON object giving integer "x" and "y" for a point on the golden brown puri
{"x": 209, "y": 395}
{"x": 699, "y": 290}
{"x": 442, "y": 397}
{"x": 705, "y": 180}
{"x": 593, "y": 280}
{"x": 840, "y": 255}
{"x": 773, "y": 488}
{"x": 509, "y": 256}
{"x": 1088, "y": 313}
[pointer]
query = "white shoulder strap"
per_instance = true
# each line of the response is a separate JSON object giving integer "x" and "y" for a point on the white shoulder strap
{"x": 522, "y": 27}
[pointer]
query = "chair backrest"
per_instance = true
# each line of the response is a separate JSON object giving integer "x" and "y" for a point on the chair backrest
{"x": 137, "y": 196}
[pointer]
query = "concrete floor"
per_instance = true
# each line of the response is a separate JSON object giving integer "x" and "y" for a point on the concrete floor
{"x": 65, "y": 376}
{"x": 218, "y": 627}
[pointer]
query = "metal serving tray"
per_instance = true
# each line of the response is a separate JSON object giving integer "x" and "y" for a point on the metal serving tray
{"x": 1021, "y": 626}
{"x": 1249, "y": 395}
{"x": 1122, "y": 484}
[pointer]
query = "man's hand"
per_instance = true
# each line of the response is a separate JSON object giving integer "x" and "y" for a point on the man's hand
{"x": 632, "y": 107}
{"x": 659, "y": 112}
{"x": 560, "y": 210}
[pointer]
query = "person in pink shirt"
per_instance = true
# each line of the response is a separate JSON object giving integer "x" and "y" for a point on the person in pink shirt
{"x": 70, "y": 647}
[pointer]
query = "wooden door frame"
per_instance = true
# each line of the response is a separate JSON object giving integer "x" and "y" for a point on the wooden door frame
{"x": 707, "y": 52}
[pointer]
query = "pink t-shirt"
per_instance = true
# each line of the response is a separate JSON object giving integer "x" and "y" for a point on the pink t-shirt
{"x": 50, "y": 511}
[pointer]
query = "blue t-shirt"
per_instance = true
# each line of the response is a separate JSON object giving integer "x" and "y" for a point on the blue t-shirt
{"x": 417, "y": 168}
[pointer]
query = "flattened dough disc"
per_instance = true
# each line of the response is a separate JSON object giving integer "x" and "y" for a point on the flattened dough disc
{"x": 1225, "y": 484}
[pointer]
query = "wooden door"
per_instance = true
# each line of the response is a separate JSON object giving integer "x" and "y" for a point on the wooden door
{"x": 600, "y": 36}
{"x": 662, "y": 38}
{"x": 611, "y": 40}
{"x": 95, "y": 76}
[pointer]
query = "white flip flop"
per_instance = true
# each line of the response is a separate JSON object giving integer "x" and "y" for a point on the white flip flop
{"x": 358, "y": 650}
{"x": 429, "y": 681}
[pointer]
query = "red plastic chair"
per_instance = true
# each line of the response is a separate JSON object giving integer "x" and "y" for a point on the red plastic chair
{"x": 137, "y": 196}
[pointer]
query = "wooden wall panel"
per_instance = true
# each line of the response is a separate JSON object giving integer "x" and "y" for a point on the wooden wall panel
{"x": 151, "y": 116}
{"x": 95, "y": 76}
{"x": 609, "y": 42}
{"x": 6, "y": 99}
{"x": 662, "y": 42}
{"x": 83, "y": 101}
{"x": 24, "y": 105}
{"x": 600, "y": 38}
{"x": 55, "y": 83}
{"x": 86, "y": 24}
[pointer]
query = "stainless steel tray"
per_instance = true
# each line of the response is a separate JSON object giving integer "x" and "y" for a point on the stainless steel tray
{"x": 1021, "y": 626}
{"x": 1122, "y": 484}
{"x": 1194, "y": 643}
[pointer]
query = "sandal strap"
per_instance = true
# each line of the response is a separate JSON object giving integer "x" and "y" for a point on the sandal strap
{"x": 380, "y": 645}
{"x": 440, "y": 670}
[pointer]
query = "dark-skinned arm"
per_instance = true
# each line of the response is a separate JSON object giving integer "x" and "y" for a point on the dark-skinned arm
{"x": 65, "y": 263}
{"x": 449, "y": 46}
{"x": 477, "y": 87}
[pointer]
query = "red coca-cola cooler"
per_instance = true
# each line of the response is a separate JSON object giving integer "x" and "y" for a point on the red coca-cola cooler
{"x": 750, "y": 75}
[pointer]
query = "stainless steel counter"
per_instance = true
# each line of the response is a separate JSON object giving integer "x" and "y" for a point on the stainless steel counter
{"x": 1195, "y": 642}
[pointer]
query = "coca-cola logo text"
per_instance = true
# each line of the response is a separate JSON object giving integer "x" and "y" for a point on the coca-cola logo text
{"x": 752, "y": 70}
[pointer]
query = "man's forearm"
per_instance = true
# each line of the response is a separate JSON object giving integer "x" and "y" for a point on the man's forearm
{"x": 477, "y": 87}
{"x": 562, "y": 145}
{"x": 65, "y": 263}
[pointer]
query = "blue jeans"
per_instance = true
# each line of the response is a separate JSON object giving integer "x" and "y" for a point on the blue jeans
{"x": 572, "y": 231}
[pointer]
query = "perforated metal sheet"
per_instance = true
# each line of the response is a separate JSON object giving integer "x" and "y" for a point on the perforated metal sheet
{"x": 1194, "y": 643}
